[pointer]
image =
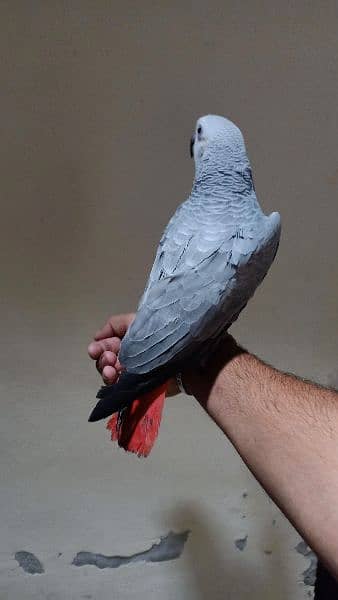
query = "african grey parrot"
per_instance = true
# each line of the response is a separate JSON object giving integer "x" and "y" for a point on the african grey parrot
{"x": 214, "y": 252}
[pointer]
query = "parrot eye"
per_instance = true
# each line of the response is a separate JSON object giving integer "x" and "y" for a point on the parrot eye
{"x": 199, "y": 130}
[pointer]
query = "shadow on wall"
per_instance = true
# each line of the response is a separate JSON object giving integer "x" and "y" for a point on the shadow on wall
{"x": 216, "y": 575}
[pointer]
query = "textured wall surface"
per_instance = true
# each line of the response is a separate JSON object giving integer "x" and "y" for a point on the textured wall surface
{"x": 98, "y": 101}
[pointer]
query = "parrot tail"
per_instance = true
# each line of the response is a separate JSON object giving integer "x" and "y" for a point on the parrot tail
{"x": 136, "y": 403}
{"x": 135, "y": 428}
{"x": 118, "y": 396}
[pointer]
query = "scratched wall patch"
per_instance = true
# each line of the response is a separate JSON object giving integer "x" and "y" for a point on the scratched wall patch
{"x": 169, "y": 547}
{"x": 29, "y": 562}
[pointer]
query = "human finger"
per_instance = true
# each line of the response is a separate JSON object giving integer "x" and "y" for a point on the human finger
{"x": 109, "y": 374}
{"x": 106, "y": 358}
{"x": 96, "y": 348}
{"x": 116, "y": 325}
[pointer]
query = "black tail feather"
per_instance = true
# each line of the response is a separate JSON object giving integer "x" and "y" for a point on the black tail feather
{"x": 114, "y": 398}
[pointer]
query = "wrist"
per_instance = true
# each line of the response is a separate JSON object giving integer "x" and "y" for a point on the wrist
{"x": 211, "y": 377}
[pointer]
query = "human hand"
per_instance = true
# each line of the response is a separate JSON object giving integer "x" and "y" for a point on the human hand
{"x": 106, "y": 346}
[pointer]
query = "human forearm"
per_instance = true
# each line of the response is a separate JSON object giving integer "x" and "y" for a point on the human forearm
{"x": 286, "y": 431}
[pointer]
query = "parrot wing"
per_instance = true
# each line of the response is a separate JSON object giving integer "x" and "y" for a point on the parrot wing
{"x": 192, "y": 293}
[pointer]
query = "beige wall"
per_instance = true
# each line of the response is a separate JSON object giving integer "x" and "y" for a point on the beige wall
{"x": 98, "y": 101}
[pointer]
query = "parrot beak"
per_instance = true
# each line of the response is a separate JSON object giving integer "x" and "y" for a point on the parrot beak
{"x": 192, "y": 141}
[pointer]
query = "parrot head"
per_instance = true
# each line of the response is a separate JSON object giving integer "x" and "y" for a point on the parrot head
{"x": 213, "y": 132}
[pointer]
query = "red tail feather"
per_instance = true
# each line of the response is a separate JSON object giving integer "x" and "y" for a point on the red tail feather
{"x": 138, "y": 427}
